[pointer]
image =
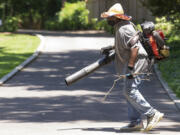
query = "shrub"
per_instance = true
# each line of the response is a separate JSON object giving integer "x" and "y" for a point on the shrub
{"x": 51, "y": 25}
{"x": 101, "y": 25}
{"x": 10, "y": 24}
{"x": 31, "y": 20}
{"x": 73, "y": 16}
{"x": 33, "y": 13}
{"x": 170, "y": 67}
{"x": 170, "y": 8}
{"x": 166, "y": 26}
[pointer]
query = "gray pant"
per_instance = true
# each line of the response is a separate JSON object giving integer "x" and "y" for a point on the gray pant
{"x": 137, "y": 105}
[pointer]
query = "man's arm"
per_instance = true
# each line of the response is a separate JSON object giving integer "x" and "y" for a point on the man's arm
{"x": 133, "y": 57}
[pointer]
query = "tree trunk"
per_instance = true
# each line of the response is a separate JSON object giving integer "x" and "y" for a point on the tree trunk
{"x": 63, "y": 2}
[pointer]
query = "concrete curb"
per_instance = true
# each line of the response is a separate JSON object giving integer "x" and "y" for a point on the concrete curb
{"x": 26, "y": 62}
{"x": 170, "y": 93}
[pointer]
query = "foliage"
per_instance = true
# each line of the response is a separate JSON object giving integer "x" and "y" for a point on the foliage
{"x": 52, "y": 25}
{"x": 166, "y": 26}
{"x": 14, "y": 49}
{"x": 170, "y": 67}
{"x": 48, "y": 14}
{"x": 32, "y": 13}
{"x": 73, "y": 16}
{"x": 163, "y": 7}
{"x": 168, "y": 8}
{"x": 32, "y": 20}
{"x": 10, "y": 24}
{"x": 101, "y": 25}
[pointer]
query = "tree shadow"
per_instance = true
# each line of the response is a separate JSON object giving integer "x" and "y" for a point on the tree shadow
{"x": 74, "y": 33}
{"x": 51, "y": 70}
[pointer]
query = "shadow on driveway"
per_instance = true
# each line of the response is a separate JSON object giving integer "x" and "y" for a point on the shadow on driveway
{"x": 47, "y": 73}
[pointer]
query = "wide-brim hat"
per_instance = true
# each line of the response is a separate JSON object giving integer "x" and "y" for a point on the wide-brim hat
{"x": 117, "y": 11}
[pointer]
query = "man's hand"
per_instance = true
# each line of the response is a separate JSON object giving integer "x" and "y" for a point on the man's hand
{"x": 105, "y": 50}
{"x": 132, "y": 60}
{"x": 130, "y": 74}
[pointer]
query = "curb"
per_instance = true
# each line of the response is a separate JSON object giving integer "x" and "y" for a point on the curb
{"x": 26, "y": 62}
{"x": 170, "y": 93}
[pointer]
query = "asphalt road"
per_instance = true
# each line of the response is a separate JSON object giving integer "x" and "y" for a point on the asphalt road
{"x": 37, "y": 101}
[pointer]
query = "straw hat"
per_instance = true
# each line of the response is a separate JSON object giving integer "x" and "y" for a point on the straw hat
{"x": 117, "y": 11}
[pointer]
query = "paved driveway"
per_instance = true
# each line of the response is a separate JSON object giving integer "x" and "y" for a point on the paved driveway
{"x": 37, "y": 102}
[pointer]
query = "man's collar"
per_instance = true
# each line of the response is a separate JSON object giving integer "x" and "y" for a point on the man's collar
{"x": 122, "y": 22}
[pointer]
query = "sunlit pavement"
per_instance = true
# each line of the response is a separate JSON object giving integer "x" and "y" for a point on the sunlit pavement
{"x": 37, "y": 102}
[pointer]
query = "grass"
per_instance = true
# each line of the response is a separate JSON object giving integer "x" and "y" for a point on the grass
{"x": 170, "y": 68}
{"x": 14, "y": 49}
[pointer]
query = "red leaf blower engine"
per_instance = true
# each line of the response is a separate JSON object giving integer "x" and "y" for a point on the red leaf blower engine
{"x": 153, "y": 41}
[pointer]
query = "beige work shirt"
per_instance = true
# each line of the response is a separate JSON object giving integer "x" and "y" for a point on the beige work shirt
{"x": 125, "y": 31}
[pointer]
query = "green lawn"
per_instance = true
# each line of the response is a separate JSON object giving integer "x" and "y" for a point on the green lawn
{"x": 14, "y": 49}
{"x": 170, "y": 68}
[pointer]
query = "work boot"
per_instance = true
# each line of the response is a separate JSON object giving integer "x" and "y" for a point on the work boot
{"x": 153, "y": 120}
{"x": 133, "y": 127}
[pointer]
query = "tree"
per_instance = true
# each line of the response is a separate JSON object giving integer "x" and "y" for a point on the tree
{"x": 63, "y": 1}
{"x": 168, "y": 8}
{"x": 32, "y": 13}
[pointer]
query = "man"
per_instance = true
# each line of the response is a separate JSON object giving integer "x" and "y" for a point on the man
{"x": 131, "y": 58}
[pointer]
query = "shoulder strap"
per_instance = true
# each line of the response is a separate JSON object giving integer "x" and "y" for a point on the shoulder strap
{"x": 135, "y": 27}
